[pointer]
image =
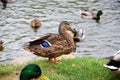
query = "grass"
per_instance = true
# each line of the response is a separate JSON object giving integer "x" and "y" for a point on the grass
{"x": 8, "y": 69}
{"x": 83, "y": 68}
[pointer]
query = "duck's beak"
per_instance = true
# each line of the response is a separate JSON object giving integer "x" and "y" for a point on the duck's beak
{"x": 72, "y": 30}
{"x": 73, "y": 34}
{"x": 103, "y": 16}
{"x": 43, "y": 77}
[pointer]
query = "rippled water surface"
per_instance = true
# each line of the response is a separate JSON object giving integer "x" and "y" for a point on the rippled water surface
{"x": 102, "y": 39}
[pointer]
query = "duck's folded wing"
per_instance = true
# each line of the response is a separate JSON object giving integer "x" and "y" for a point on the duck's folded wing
{"x": 59, "y": 48}
{"x": 45, "y": 41}
{"x": 39, "y": 40}
{"x": 35, "y": 43}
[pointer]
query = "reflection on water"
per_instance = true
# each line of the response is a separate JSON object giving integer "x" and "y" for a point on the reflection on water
{"x": 102, "y": 39}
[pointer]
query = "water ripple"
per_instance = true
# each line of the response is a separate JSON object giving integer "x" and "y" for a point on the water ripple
{"x": 102, "y": 39}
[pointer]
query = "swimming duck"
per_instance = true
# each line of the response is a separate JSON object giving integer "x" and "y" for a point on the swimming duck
{"x": 35, "y": 23}
{"x": 5, "y": 2}
{"x": 92, "y": 15}
{"x": 114, "y": 63}
{"x": 78, "y": 35}
{"x": 32, "y": 71}
{"x": 1, "y": 45}
{"x": 53, "y": 45}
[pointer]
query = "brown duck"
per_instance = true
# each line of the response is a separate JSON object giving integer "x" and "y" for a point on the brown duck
{"x": 1, "y": 45}
{"x": 53, "y": 45}
{"x": 35, "y": 23}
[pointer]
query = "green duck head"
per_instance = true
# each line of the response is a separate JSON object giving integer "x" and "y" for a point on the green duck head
{"x": 32, "y": 71}
{"x": 100, "y": 14}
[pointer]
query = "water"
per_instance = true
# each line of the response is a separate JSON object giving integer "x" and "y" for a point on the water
{"x": 102, "y": 39}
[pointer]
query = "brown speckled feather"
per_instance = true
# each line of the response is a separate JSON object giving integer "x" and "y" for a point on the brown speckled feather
{"x": 59, "y": 46}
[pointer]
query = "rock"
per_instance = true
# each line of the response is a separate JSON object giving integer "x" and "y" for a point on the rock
{"x": 66, "y": 56}
{"x": 21, "y": 60}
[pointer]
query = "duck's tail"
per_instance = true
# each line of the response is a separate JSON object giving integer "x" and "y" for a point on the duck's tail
{"x": 82, "y": 11}
{"x": 112, "y": 65}
{"x": 112, "y": 68}
{"x": 26, "y": 47}
{"x": 118, "y": 52}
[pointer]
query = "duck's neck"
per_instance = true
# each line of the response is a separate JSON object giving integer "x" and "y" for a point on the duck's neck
{"x": 63, "y": 32}
{"x": 98, "y": 16}
{"x": 24, "y": 77}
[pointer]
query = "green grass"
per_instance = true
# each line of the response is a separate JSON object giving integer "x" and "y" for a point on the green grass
{"x": 83, "y": 68}
{"x": 8, "y": 69}
{"x": 5, "y": 69}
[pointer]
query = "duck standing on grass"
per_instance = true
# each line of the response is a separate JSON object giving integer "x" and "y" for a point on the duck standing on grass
{"x": 53, "y": 45}
{"x": 92, "y": 15}
{"x": 114, "y": 63}
{"x": 32, "y": 71}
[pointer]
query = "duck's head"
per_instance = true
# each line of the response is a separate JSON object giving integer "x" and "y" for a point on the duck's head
{"x": 32, "y": 71}
{"x": 35, "y": 23}
{"x": 4, "y": 3}
{"x": 1, "y": 42}
{"x": 100, "y": 14}
{"x": 65, "y": 26}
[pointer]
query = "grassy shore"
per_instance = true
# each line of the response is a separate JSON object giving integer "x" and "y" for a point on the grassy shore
{"x": 82, "y": 68}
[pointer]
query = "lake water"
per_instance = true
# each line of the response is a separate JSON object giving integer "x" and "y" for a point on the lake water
{"x": 102, "y": 39}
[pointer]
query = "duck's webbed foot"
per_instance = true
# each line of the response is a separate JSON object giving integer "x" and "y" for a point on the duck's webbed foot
{"x": 55, "y": 61}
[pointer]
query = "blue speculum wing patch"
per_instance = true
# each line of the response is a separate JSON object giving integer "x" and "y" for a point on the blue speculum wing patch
{"x": 45, "y": 44}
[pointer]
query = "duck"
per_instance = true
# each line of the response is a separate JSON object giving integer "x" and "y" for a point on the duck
{"x": 114, "y": 63}
{"x": 5, "y": 2}
{"x": 1, "y": 45}
{"x": 53, "y": 45}
{"x": 32, "y": 71}
{"x": 78, "y": 35}
{"x": 92, "y": 15}
{"x": 35, "y": 23}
